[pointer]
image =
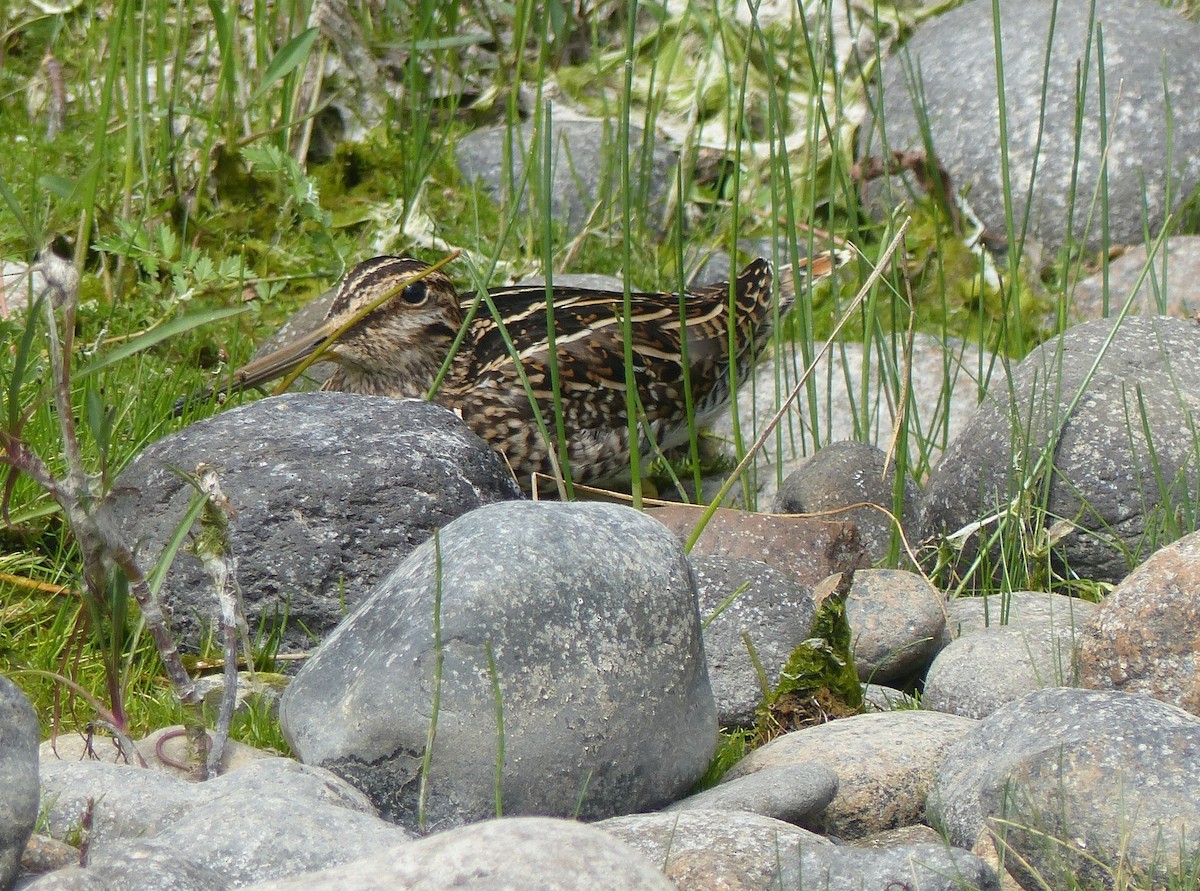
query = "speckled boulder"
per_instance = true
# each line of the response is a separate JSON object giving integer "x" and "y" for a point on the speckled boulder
{"x": 1145, "y": 636}
{"x": 885, "y": 762}
{"x": 331, "y": 491}
{"x": 566, "y": 673}
{"x": 18, "y": 777}
{"x": 1111, "y": 483}
{"x": 773, "y": 611}
{"x": 1146, "y": 141}
{"x": 1077, "y": 783}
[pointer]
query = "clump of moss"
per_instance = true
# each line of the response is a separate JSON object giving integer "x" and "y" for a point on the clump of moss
{"x": 819, "y": 682}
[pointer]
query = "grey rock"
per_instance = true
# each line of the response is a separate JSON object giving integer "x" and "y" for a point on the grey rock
{"x": 148, "y": 868}
{"x": 884, "y": 762}
{"x": 588, "y": 280}
{"x": 946, "y": 380}
{"x": 790, "y": 793}
{"x": 581, "y": 617}
{"x": 331, "y": 491}
{"x": 896, "y": 620}
{"x": 977, "y": 674}
{"x": 917, "y": 834}
{"x": 128, "y": 802}
{"x": 1106, "y": 477}
{"x": 775, "y": 612}
{"x": 510, "y": 854}
{"x": 846, "y": 473}
{"x": 272, "y": 818}
{"x": 999, "y": 647}
{"x": 585, "y": 170}
{"x": 1036, "y": 611}
{"x": 882, "y": 698}
{"x": 18, "y": 777}
{"x": 1146, "y": 146}
{"x": 1167, "y": 285}
{"x": 1145, "y": 636}
{"x": 1077, "y": 783}
{"x": 720, "y": 849}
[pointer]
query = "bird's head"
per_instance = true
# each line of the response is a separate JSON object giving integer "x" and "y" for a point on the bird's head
{"x": 394, "y": 348}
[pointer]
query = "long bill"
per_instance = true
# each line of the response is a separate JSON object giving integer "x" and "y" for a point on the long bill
{"x": 263, "y": 369}
{"x": 279, "y": 362}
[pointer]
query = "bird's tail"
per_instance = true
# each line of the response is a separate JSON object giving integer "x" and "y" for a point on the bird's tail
{"x": 812, "y": 270}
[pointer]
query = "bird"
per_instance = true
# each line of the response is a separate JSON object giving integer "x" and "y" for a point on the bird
{"x": 398, "y": 348}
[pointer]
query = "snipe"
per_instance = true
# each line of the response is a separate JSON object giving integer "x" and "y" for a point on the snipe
{"x": 398, "y": 348}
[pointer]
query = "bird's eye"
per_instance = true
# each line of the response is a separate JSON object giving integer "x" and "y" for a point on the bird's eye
{"x": 415, "y": 294}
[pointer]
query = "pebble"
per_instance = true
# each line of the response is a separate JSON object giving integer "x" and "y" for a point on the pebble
{"x": 847, "y": 473}
{"x": 790, "y": 792}
{"x": 1007, "y": 646}
{"x": 884, "y": 762}
{"x": 896, "y": 621}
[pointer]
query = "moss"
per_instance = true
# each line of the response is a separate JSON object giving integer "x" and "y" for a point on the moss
{"x": 819, "y": 681}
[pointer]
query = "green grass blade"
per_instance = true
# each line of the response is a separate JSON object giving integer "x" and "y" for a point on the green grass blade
{"x": 292, "y": 56}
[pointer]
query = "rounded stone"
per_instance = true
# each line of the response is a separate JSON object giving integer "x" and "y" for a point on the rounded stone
{"x": 1077, "y": 783}
{"x": 896, "y": 620}
{"x": 711, "y": 849}
{"x": 847, "y": 473}
{"x": 1123, "y": 459}
{"x": 497, "y": 855}
{"x": 884, "y": 761}
{"x": 1149, "y": 136}
{"x": 773, "y": 611}
{"x": 792, "y": 792}
{"x": 977, "y": 674}
{"x": 18, "y": 777}
{"x": 551, "y": 651}
{"x": 1036, "y": 611}
{"x": 331, "y": 491}
{"x": 1145, "y": 636}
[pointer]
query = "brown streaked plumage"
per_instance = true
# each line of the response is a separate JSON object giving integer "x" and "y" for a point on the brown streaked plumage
{"x": 397, "y": 349}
